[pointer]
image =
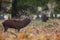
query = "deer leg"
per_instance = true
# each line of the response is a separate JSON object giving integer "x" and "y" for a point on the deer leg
{"x": 5, "y": 29}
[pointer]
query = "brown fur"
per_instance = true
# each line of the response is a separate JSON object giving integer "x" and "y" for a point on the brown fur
{"x": 17, "y": 24}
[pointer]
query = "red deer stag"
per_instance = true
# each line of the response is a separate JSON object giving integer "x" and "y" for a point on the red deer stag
{"x": 16, "y": 24}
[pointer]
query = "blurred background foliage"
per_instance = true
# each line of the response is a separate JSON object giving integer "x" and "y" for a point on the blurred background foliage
{"x": 27, "y": 7}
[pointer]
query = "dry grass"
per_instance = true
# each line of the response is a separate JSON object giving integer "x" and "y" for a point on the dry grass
{"x": 36, "y": 30}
